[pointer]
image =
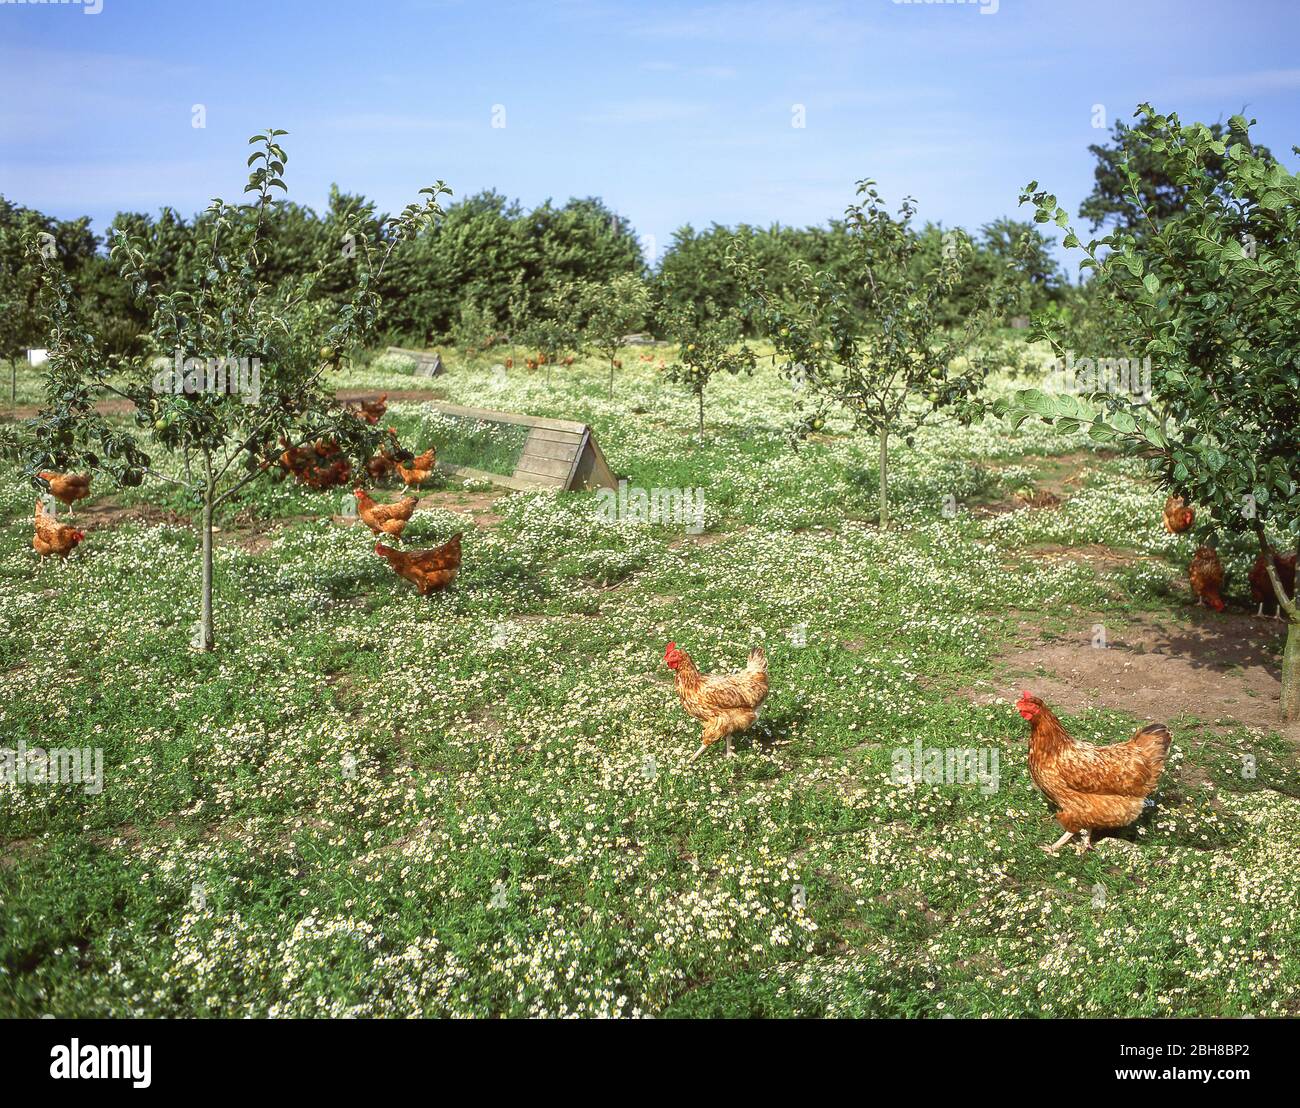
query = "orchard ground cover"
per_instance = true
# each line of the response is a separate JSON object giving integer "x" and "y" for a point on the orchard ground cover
{"x": 368, "y": 803}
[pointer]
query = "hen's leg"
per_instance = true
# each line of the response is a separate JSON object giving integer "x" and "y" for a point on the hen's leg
{"x": 708, "y": 737}
{"x": 1058, "y": 844}
{"x": 738, "y": 719}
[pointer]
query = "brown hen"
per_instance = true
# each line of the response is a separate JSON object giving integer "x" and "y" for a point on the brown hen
{"x": 1206, "y": 575}
{"x": 425, "y": 569}
{"x": 384, "y": 519}
{"x": 67, "y": 488}
{"x": 1261, "y": 586}
{"x": 385, "y": 460}
{"x": 725, "y": 705}
{"x": 1093, "y": 787}
{"x": 52, "y": 537}
{"x": 419, "y": 470}
{"x": 1178, "y": 516}
{"x": 372, "y": 411}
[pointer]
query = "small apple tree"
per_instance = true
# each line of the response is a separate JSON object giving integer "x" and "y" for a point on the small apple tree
{"x": 609, "y": 311}
{"x": 236, "y": 365}
{"x": 877, "y": 348}
{"x": 1211, "y": 296}
{"x": 25, "y": 238}
{"x": 550, "y": 327}
{"x": 709, "y": 342}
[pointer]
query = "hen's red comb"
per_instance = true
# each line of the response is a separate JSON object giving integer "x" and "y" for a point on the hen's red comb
{"x": 669, "y": 649}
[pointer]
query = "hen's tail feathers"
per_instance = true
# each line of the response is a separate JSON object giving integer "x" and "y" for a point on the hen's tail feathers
{"x": 1154, "y": 740}
{"x": 757, "y": 660}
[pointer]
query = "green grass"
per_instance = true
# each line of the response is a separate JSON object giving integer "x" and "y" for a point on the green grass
{"x": 479, "y": 444}
{"x": 19, "y": 383}
{"x": 475, "y": 804}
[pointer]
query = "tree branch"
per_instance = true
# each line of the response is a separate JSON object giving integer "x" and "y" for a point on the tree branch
{"x": 1286, "y": 603}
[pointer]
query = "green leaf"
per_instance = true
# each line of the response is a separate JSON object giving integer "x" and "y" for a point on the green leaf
{"x": 1123, "y": 422}
{"x": 1100, "y": 432}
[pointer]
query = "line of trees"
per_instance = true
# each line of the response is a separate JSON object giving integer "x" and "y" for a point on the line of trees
{"x": 487, "y": 268}
{"x": 490, "y": 267}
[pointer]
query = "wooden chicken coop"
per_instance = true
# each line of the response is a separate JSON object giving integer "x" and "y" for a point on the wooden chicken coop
{"x": 426, "y": 364}
{"x": 556, "y": 453}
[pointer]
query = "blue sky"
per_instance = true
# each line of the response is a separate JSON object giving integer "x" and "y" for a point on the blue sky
{"x": 672, "y": 112}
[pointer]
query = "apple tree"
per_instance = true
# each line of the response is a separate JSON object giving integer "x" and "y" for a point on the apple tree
{"x": 875, "y": 345}
{"x": 1210, "y": 294}
{"x": 235, "y": 371}
{"x": 709, "y": 342}
{"x": 549, "y": 326}
{"x": 610, "y": 310}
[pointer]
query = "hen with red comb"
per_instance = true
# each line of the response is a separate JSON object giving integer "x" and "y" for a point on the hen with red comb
{"x": 1093, "y": 787}
{"x": 725, "y": 705}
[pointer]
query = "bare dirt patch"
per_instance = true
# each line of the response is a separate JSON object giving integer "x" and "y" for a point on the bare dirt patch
{"x": 108, "y": 514}
{"x": 704, "y": 538}
{"x": 245, "y": 531}
{"x": 1094, "y": 554}
{"x": 707, "y": 538}
{"x": 1054, "y": 481}
{"x": 1222, "y": 669}
{"x": 477, "y": 505}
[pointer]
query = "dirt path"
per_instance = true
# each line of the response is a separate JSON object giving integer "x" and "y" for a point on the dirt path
{"x": 1220, "y": 668}
{"x": 256, "y": 535}
{"x": 1056, "y": 478}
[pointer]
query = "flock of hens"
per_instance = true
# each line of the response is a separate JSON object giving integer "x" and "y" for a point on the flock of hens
{"x": 1205, "y": 571}
{"x": 1093, "y": 788}
{"x": 320, "y": 465}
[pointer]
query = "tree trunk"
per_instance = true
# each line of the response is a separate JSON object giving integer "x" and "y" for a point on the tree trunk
{"x": 1290, "y": 605}
{"x": 700, "y": 397}
{"x": 611, "y": 378}
{"x": 884, "y": 478}
{"x": 205, "y": 640}
{"x": 1291, "y": 674}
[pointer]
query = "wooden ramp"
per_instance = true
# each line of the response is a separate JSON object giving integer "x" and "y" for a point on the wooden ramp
{"x": 557, "y": 454}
